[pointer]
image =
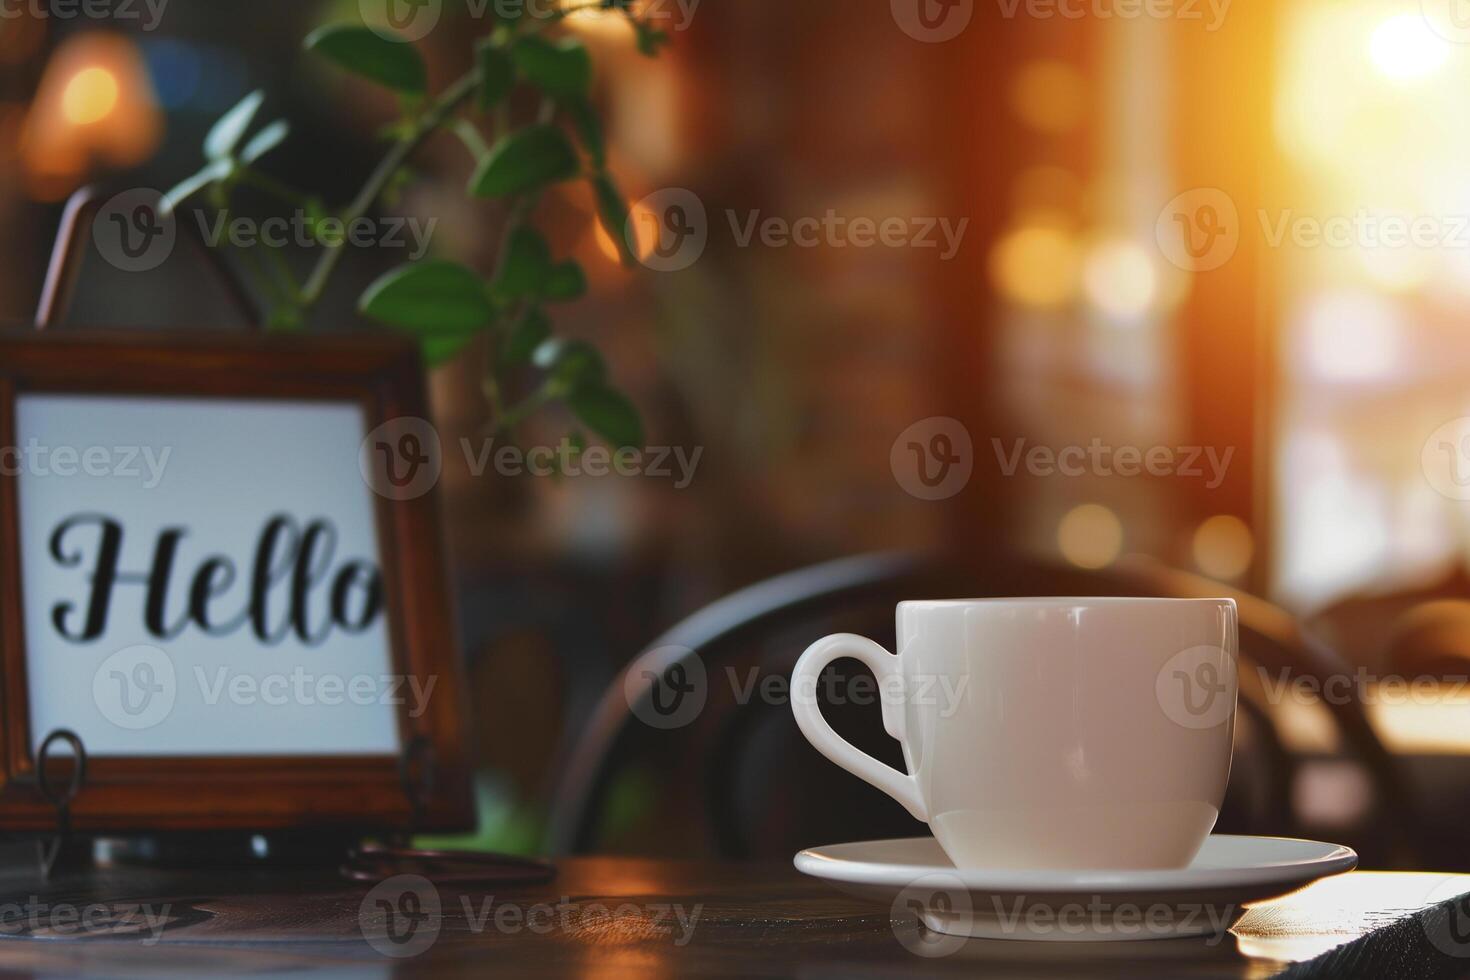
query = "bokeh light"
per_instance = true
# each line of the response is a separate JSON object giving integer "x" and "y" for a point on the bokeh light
{"x": 1049, "y": 96}
{"x": 1350, "y": 335}
{"x": 1120, "y": 279}
{"x": 90, "y": 96}
{"x": 1224, "y": 547}
{"x": 644, "y": 225}
{"x": 598, "y": 25}
{"x": 1037, "y": 266}
{"x": 1405, "y": 47}
{"x": 1090, "y": 536}
{"x": 94, "y": 105}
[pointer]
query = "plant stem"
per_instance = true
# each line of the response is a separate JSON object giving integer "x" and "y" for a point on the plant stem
{"x": 445, "y": 105}
{"x": 518, "y": 413}
{"x": 449, "y": 101}
{"x": 283, "y": 269}
{"x": 471, "y": 138}
{"x": 270, "y": 185}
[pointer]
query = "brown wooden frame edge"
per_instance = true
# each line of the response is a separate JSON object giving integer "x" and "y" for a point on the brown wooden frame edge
{"x": 385, "y": 375}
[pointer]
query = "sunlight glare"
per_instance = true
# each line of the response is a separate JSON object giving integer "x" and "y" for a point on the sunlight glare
{"x": 1404, "y": 47}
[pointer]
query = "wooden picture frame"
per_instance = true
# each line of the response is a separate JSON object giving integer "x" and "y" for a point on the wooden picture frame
{"x": 384, "y": 375}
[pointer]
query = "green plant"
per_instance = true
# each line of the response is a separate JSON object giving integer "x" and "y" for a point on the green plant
{"x": 446, "y": 304}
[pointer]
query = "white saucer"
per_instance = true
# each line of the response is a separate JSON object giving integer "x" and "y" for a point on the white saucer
{"x": 915, "y": 878}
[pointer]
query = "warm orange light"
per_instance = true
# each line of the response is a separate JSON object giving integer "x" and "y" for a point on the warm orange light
{"x": 1224, "y": 547}
{"x": 90, "y": 96}
{"x": 94, "y": 105}
{"x": 1399, "y": 270}
{"x": 1406, "y": 47}
{"x": 1120, "y": 279}
{"x": 600, "y": 25}
{"x": 1049, "y": 96}
{"x": 1090, "y": 536}
{"x": 645, "y": 235}
{"x": 1036, "y": 266}
{"x": 1424, "y": 720}
{"x": 1326, "y": 900}
{"x": 1047, "y": 187}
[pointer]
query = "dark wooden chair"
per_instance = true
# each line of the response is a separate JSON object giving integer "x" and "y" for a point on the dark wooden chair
{"x": 736, "y": 779}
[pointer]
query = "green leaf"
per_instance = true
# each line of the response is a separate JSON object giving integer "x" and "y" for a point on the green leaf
{"x": 497, "y": 75}
{"x": 316, "y": 213}
{"x": 358, "y": 49}
{"x": 525, "y": 160}
{"x": 266, "y": 140}
{"x": 612, "y": 211}
{"x": 189, "y": 186}
{"x": 608, "y": 413}
{"x": 571, "y": 364}
{"x": 650, "y": 39}
{"x": 589, "y": 131}
{"x": 443, "y": 348}
{"x": 525, "y": 268}
{"x": 432, "y": 298}
{"x": 284, "y": 320}
{"x": 567, "y": 281}
{"x": 527, "y": 272}
{"x": 225, "y": 134}
{"x": 528, "y": 335}
{"x": 563, "y": 70}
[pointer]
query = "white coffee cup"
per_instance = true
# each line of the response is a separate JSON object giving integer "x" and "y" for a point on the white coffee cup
{"x": 1050, "y": 733}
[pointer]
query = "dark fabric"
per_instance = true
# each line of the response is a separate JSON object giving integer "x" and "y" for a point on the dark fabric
{"x": 1430, "y": 945}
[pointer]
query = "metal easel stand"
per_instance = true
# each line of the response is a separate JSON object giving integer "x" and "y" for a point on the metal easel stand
{"x": 63, "y": 852}
{"x": 70, "y": 248}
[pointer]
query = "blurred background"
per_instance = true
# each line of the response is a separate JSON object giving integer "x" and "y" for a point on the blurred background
{"x": 1178, "y": 234}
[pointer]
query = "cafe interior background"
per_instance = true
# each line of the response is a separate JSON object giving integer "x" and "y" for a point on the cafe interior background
{"x": 1072, "y": 140}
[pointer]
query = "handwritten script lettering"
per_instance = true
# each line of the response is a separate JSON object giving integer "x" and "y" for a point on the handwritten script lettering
{"x": 291, "y": 564}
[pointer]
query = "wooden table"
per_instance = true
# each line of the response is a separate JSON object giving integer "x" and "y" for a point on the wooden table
{"x": 618, "y": 917}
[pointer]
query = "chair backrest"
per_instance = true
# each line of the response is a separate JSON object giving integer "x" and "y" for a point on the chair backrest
{"x": 739, "y": 747}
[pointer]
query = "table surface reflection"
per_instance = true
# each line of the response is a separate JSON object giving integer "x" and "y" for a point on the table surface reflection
{"x": 613, "y": 917}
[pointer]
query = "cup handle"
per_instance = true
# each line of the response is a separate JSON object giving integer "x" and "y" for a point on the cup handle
{"x": 902, "y": 786}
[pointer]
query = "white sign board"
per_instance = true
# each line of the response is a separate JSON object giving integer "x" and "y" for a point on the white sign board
{"x": 200, "y": 577}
